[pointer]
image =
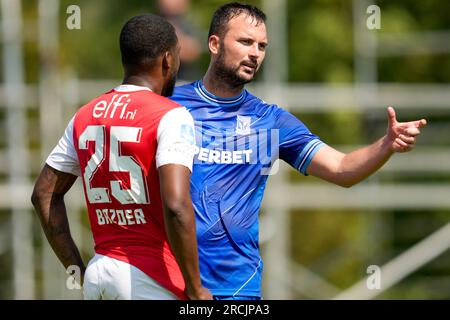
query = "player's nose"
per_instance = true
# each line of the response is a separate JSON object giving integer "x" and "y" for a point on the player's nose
{"x": 254, "y": 51}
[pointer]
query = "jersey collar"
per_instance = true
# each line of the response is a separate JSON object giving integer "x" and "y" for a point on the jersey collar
{"x": 130, "y": 88}
{"x": 218, "y": 101}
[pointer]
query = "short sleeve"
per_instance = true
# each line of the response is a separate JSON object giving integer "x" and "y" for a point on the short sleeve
{"x": 297, "y": 144}
{"x": 176, "y": 140}
{"x": 64, "y": 156}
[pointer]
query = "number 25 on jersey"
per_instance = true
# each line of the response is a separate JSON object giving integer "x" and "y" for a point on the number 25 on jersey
{"x": 137, "y": 193}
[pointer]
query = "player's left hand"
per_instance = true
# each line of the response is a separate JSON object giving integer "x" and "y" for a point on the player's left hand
{"x": 402, "y": 135}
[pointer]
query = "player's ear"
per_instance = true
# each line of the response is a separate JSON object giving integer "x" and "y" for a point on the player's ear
{"x": 167, "y": 61}
{"x": 171, "y": 60}
{"x": 214, "y": 44}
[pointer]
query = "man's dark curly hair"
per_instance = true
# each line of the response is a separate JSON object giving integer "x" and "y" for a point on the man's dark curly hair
{"x": 144, "y": 38}
{"x": 230, "y": 10}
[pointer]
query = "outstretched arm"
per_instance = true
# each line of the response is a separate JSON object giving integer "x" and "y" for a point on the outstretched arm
{"x": 48, "y": 201}
{"x": 180, "y": 226}
{"x": 349, "y": 169}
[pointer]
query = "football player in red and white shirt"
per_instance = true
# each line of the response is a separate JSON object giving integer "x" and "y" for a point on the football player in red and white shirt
{"x": 133, "y": 149}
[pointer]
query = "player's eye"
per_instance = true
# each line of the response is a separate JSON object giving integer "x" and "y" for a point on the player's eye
{"x": 246, "y": 41}
{"x": 262, "y": 46}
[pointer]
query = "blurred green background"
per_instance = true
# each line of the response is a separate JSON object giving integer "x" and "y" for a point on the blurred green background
{"x": 335, "y": 244}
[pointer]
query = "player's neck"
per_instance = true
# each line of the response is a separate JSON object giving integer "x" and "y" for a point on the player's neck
{"x": 142, "y": 82}
{"x": 219, "y": 87}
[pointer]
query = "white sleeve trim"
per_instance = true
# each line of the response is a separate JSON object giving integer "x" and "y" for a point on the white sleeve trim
{"x": 176, "y": 139}
{"x": 64, "y": 156}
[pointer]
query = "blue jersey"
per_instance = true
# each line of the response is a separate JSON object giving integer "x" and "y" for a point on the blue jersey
{"x": 237, "y": 141}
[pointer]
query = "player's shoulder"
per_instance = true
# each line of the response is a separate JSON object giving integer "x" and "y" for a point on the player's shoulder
{"x": 273, "y": 114}
{"x": 263, "y": 107}
{"x": 158, "y": 106}
{"x": 184, "y": 90}
{"x": 148, "y": 97}
{"x": 164, "y": 102}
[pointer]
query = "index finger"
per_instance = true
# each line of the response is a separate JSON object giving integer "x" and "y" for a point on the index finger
{"x": 421, "y": 123}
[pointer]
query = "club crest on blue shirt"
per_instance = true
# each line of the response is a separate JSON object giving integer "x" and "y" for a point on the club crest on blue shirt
{"x": 243, "y": 125}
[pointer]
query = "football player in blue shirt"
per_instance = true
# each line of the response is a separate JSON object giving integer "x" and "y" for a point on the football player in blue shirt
{"x": 238, "y": 138}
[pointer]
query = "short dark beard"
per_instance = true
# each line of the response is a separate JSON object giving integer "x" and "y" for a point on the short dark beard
{"x": 226, "y": 74}
{"x": 167, "y": 90}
